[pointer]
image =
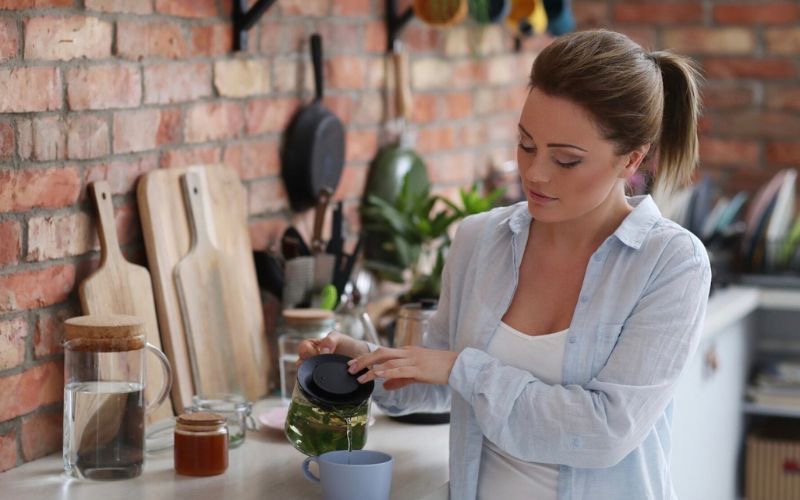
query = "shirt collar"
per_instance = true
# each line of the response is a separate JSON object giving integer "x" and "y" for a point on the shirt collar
{"x": 518, "y": 219}
{"x": 631, "y": 232}
{"x": 634, "y": 228}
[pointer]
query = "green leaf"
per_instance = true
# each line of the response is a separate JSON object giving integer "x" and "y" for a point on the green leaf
{"x": 385, "y": 270}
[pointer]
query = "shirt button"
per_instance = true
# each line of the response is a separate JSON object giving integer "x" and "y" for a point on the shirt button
{"x": 584, "y": 299}
{"x": 576, "y": 442}
{"x": 573, "y": 339}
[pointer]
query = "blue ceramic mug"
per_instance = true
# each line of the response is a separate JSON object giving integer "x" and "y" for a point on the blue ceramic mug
{"x": 345, "y": 475}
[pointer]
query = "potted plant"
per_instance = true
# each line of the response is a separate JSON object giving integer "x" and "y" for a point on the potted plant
{"x": 414, "y": 232}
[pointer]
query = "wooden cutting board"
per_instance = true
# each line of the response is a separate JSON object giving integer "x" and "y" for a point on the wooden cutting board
{"x": 208, "y": 307}
{"x": 165, "y": 225}
{"x": 119, "y": 287}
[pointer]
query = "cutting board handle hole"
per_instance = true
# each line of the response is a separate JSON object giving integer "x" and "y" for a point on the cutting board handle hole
{"x": 195, "y": 191}
{"x": 104, "y": 196}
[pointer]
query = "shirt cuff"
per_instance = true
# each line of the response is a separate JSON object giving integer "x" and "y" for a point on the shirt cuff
{"x": 464, "y": 375}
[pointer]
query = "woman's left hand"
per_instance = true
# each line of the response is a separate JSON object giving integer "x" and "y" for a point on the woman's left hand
{"x": 406, "y": 365}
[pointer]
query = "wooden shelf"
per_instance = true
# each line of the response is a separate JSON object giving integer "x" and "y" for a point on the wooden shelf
{"x": 775, "y": 411}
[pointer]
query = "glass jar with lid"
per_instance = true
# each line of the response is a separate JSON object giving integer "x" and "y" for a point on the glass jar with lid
{"x": 234, "y": 407}
{"x": 201, "y": 444}
{"x": 298, "y": 325}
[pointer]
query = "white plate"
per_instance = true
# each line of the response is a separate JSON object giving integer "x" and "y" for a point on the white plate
{"x": 274, "y": 418}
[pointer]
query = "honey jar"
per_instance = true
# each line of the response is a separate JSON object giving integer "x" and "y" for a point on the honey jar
{"x": 201, "y": 444}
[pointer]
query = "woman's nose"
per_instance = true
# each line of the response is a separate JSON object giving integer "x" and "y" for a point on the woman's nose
{"x": 534, "y": 170}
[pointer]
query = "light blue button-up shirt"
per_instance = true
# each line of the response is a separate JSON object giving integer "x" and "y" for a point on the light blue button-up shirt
{"x": 636, "y": 325}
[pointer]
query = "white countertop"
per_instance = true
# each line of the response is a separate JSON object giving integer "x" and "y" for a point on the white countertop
{"x": 728, "y": 306}
{"x": 265, "y": 466}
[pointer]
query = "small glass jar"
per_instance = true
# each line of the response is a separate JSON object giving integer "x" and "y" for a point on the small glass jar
{"x": 234, "y": 407}
{"x": 201, "y": 444}
{"x": 299, "y": 325}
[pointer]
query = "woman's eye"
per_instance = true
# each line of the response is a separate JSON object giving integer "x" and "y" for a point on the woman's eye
{"x": 527, "y": 148}
{"x": 567, "y": 164}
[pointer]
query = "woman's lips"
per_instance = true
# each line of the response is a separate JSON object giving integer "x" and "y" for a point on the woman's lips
{"x": 540, "y": 198}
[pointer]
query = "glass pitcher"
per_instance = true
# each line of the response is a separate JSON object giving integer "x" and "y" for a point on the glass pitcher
{"x": 104, "y": 404}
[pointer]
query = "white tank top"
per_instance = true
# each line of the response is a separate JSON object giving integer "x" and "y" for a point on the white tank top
{"x": 503, "y": 476}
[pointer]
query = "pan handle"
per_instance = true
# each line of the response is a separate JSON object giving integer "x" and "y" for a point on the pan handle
{"x": 317, "y": 245}
{"x": 316, "y": 59}
{"x": 403, "y": 102}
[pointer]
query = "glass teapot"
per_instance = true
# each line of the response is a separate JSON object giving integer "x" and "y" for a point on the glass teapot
{"x": 330, "y": 408}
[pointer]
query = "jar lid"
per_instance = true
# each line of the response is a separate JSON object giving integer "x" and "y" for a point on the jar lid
{"x": 201, "y": 419}
{"x": 220, "y": 403}
{"x": 307, "y": 316}
{"x": 113, "y": 332}
{"x": 326, "y": 382}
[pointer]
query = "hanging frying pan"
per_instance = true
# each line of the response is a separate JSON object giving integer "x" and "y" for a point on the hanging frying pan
{"x": 560, "y": 20}
{"x": 394, "y": 164}
{"x": 527, "y": 17}
{"x": 489, "y": 11}
{"x": 398, "y": 159}
{"x": 440, "y": 12}
{"x": 313, "y": 151}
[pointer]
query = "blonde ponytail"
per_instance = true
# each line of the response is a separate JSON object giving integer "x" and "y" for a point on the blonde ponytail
{"x": 678, "y": 145}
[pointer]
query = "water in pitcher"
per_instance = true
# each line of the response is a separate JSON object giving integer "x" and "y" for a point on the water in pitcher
{"x": 103, "y": 430}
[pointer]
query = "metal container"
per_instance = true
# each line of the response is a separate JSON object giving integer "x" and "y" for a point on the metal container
{"x": 412, "y": 323}
{"x": 412, "y": 330}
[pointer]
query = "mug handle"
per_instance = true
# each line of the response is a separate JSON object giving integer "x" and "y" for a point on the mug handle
{"x": 167, "y": 372}
{"x": 306, "y": 472}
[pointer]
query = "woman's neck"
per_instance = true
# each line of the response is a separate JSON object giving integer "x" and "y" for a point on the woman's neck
{"x": 584, "y": 233}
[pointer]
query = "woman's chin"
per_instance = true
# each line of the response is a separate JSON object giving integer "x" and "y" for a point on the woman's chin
{"x": 544, "y": 213}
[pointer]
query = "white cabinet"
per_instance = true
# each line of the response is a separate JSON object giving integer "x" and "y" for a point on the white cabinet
{"x": 708, "y": 421}
{"x": 710, "y": 416}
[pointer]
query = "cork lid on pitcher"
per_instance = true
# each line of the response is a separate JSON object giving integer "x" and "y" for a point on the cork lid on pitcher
{"x": 105, "y": 333}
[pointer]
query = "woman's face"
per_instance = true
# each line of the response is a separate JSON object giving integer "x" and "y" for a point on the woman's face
{"x": 568, "y": 169}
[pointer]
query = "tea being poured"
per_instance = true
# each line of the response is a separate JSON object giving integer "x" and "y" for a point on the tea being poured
{"x": 314, "y": 430}
{"x": 329, "y": 409}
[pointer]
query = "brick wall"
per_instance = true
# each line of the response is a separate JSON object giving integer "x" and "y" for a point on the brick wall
{"x": 111, "y": 89}
{"x": 750, "y": 53}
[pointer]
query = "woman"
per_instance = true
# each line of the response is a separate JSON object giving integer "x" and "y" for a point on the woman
{"x": 565, "y": 321}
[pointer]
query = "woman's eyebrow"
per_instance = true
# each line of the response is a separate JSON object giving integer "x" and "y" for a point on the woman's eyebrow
{"x": 551, "y": 145}
{"x": 556, "y": 145}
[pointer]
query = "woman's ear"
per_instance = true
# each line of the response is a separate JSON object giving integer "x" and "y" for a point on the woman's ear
{"x": 633, "y": 160}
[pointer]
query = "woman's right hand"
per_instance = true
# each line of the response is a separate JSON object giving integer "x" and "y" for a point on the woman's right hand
{"x": 334, "y": 342}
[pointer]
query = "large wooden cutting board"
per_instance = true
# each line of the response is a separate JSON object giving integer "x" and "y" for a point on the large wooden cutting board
{"x": 165, "y": 225}
{"x": 119, "y": 287}
{"x": 209, "y": 305}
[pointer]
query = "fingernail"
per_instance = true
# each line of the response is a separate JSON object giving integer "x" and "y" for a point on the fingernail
{"x": 362, "y": 378}
{"x": 352, "y": 369}
{"x": 351, "y": 361}
{"x": 325, "y": 350}
{"x": 379, "y": 373}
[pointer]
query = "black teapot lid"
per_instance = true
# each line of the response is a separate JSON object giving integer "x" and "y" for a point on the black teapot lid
{"x": 326, "y": 382}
